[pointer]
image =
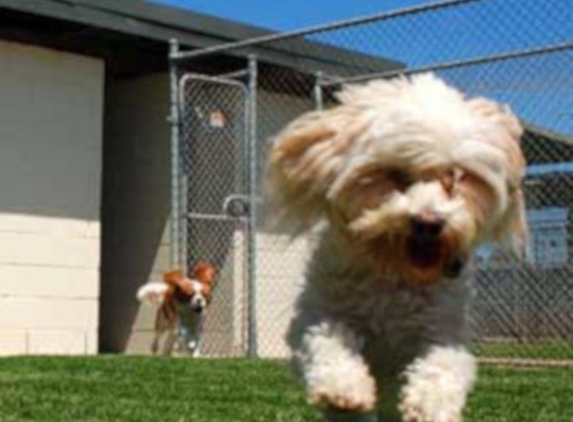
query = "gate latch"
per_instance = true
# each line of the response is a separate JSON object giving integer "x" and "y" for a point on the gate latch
{"x": 237, "y": 206}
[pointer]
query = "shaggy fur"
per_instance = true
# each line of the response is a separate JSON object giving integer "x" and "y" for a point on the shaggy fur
{"x": 408, "y": 176}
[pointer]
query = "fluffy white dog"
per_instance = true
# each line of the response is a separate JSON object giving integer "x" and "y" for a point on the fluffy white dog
{"x": 409, "y": 176}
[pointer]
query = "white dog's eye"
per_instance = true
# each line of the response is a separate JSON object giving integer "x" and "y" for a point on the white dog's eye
{"x": 400, "y": 178}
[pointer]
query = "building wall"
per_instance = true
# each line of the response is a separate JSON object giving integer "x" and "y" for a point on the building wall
{"x": 51, "y": 110}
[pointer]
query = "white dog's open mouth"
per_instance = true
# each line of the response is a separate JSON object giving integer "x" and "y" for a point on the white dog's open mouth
{"x": 424, "y": 252}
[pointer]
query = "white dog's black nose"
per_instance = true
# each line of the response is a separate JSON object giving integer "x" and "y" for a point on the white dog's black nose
{"x": 426, "y": 226}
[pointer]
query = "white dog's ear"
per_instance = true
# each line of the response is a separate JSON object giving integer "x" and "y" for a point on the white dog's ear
{"x": 304, "y": 160}
{"x": 512, "y": 229}
{"x": 518, "y": 232}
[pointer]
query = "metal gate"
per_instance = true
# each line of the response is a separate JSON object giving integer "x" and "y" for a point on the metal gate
{"x": 214, "y": 210}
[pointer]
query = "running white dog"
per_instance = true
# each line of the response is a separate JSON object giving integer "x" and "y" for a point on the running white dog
{"x": 408, "y": 176}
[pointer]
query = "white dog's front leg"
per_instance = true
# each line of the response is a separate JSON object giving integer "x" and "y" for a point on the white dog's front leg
{"x": 336, "y": 375}
{"x": 437, "y": 384}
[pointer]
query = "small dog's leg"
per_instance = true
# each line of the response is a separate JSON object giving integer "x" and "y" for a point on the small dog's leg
{"x": 195, "y": 347}
{"x": 336, "y": 375}
{"x": 169, "y": 343}
{"x": 437, "y": 385}
{"x": 155, "y": 343}
{"x": 162, "y": 326}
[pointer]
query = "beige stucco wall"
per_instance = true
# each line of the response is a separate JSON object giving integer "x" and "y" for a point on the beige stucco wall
{"x": 51, "y": 108}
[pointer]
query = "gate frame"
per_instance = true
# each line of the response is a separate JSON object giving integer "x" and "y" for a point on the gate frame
{"x": 179, "y": 211}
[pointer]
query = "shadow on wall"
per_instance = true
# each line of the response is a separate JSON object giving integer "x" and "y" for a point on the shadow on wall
{"x": 136, "y": 204}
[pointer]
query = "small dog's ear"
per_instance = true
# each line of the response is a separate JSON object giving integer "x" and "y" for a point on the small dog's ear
{"x": 204, "y": 272}
{"x": 304, "y": 160}
{"x": 173, "y": 277}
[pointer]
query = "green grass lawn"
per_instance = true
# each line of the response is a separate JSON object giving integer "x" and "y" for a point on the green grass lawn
{"x": 139, "y": 389}
{"x": 552, "y": 350}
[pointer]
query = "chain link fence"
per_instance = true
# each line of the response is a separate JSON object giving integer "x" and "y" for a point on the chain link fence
{"x": 214, "y": 144}
{"x": 515, "y": 51}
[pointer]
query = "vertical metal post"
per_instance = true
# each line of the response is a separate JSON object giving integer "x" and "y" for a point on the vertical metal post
{"x": 175, "y": 155}
{"x": 317, "y": 92}
{"x": 251, "y": 223}
{"x": 183, "y": 237}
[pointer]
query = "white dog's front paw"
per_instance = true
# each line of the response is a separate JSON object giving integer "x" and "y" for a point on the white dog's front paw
{"x": 344, "y": 392}
{"x": 428, "y": 406}
{"x": 437, "y": 386}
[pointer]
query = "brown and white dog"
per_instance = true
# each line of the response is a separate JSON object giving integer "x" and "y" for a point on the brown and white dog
{"x": 181, "y": 305}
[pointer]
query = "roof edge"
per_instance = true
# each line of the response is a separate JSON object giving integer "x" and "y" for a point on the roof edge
{"x": 547, "y": 133}
{"x": 194, "y": 30}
